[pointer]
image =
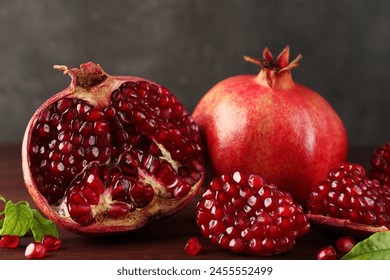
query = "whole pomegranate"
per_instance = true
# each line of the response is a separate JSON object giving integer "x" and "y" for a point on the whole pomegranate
{"x": 270, "y": 125}
{"x": 109, "y": 154}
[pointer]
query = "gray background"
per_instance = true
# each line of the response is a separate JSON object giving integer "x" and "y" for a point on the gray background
{"x": 188, "y": 46}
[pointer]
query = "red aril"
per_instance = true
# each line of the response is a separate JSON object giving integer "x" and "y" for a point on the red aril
{"x": 51, "y": 243}
{"x": 192, "y": 246}
{"x": 270, "y": 125}
{"x": 111, "y": 153}
{"x": 327, "y": 253}
{"x": 35, "y": 250}
{"x": 9, "y": 241}
{"x": 345, "y": 243}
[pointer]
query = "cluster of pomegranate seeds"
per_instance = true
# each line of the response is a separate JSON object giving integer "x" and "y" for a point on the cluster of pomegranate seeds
{"x": 9, "y": 241}
{"x": 381, "y": 165}
{"x": 139, "y": 145}
{"x": 68, "y": 135}
{"x": 348, "y": 194}
{"x": 193, "y": 246}
{"x": 242, "y": 213}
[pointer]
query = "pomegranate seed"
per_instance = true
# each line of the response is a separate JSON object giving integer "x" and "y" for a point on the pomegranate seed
{"x": 63, "y": 105}
{"x": 43, "y": 130}
{"x": 35, "y": 250}
{"x": 9, "y": 241}
{"x": 193, "y": 246}
{"x": 237, "y": 245}
{"x": 51, "y": 243}
{"x": 101, "y": 128}
{"x": 94, "y": 115}
{"x": 345, "y": 243}
{"x": 327, "y": 253}
{"x": 118, "y": 209}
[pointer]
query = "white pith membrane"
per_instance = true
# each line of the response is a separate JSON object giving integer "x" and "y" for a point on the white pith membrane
{"x": 163, "y": 202}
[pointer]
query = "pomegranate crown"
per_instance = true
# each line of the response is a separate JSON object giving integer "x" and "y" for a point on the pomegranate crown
{"x": 280, "y": 64}
{"x": 274, "y": 67}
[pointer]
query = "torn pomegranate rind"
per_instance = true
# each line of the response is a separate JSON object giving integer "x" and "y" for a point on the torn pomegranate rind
{"x": 345, "y": 226}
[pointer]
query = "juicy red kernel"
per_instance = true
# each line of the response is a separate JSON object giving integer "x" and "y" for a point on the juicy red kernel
{"x": 9, "y": 241}
{"x": 244, "y": 214}
{"x": 142, "y": 194}
{"x": 345, "y": 243}
{"x": 193, "y": 246}
{"x": 348, "y": 194}
{"x": 51, "y": 243}
{"x": 35, "y": 250}
{"x": 119, "y": 209}
{"x": 327, "y": 253}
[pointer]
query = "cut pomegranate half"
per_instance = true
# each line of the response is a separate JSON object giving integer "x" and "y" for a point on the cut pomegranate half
{"x": 111, "y": 153}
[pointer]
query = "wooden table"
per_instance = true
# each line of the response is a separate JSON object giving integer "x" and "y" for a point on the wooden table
{"x": 164, "y": 239}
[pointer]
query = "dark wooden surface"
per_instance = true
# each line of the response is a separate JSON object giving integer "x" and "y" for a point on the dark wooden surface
{"x": 164, "y": 239}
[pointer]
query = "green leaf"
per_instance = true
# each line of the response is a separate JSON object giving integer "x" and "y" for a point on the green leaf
{"x": 41, "y": 226}
{"x": 23, "y": 202}
{"x": 376, "y": 247}
{"x": 17, "y": 219}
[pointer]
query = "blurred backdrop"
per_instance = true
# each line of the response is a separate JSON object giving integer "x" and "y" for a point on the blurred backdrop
{"x": 189, "y": 45}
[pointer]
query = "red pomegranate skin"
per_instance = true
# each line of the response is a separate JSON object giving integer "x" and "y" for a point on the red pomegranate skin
{"x": 270, "y": 125}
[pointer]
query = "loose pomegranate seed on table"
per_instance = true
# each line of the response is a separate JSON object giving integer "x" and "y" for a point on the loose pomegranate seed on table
{"x": 345, "y": 243}
{"x": 35, "y": 250}
{"x": 51, "y": 243}
{"x": 327, "y": 253}
{"x": 193, "y": 246}
{"x": 111, "y": 153}
{"x": 9, "y": 241}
